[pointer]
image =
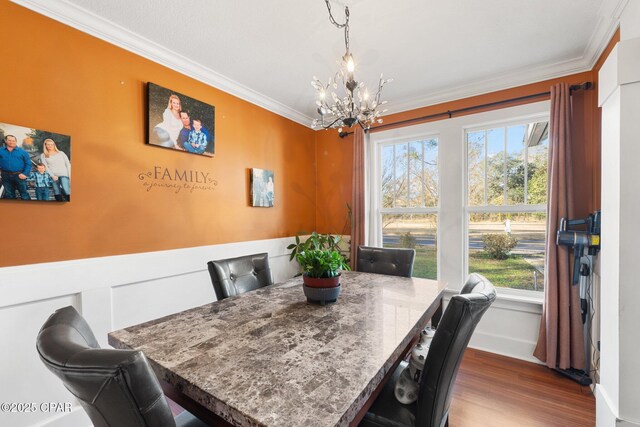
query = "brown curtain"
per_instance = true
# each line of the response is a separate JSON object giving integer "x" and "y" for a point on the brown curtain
{"x": 560, "y": 341}
{"x": 357, "y": 195}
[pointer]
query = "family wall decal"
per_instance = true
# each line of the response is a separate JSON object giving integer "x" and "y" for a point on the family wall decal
{"x": 178, "y": 180}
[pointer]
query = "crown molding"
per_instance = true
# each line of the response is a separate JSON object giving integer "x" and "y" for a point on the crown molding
{"x": 608, "y": 22}
{"x": 509, "y": 80}
{"x": 87, "y": 22}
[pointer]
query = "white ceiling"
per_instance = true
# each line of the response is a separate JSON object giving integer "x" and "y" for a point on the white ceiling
{"x": 268, "y": 51}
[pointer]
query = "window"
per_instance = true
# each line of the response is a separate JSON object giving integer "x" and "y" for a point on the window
{"x": 506, "y": 203}
{"x": 409, "y": 200}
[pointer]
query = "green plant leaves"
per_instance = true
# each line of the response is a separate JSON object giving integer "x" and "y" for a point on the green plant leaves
{"x": 498, "y": 246}
{"x": 319, "y": 256}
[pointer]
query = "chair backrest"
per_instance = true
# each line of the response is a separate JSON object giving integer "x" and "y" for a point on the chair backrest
{"x": 454, "y": 331}
{"x": 235, "y": 276}
{"x": 115, "y": 387}
{"x": 391, "y": 261}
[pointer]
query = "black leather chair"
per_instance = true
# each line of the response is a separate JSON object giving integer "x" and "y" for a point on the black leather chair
{"x": 463, "y": 313}
{"x": 235, "y": 276}
{"x": 115, "y": 387}
{"x": 391, "y": 261}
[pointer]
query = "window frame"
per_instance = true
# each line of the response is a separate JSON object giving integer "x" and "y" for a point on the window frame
{"x": 504, "y": 208}
{"x": 380, "y": 210}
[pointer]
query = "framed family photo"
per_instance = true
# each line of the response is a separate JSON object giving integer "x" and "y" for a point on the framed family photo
{"x": 179, "y": 122}
{"x": 35, "y": 164}
{"x": 262, "y": 188}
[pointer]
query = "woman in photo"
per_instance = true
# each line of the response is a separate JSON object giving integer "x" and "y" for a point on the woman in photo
{"x": 167, "y": 132}
{"x": 58, "y": 165}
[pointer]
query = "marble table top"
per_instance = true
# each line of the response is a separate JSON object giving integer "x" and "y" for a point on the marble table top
{"x": 269, "y": 358}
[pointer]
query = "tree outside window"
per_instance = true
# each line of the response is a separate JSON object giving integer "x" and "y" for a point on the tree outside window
{"x": 409, "y": 195}
{"x": 506, "y": 203}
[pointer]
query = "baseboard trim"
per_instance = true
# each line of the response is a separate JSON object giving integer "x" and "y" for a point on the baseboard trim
{"x": 505, "y": 346}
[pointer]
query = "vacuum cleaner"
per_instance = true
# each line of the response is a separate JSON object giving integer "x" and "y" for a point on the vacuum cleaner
{"x": 581, "y": 234}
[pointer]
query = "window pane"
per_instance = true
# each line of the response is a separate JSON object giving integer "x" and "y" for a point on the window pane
{"x": 401, "y": 184}
{"x": 495, "y": 166}
{"x": 387, "y": 181}
{"x": 430, "y": 160}
{"x": 537, "y": 141}
{"x": 475, "y": 161}
{"x": 522, "y": 266}
{"x": 415, "y": 162}
{"x": 515, "y": 164}
{"x": 418, "y": 232}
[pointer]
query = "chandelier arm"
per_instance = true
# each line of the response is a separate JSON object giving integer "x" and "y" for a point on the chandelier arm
{"x": 333, "y": 123}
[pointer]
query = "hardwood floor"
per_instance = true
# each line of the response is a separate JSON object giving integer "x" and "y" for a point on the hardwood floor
{"x": 493, "y": 390}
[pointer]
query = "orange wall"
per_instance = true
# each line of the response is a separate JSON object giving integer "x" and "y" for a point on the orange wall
{"x": 58, "y": 79}
{"x": 335, "y": 156}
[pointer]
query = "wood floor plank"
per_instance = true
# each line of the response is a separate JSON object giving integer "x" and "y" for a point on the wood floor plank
{"x": 493, "y": 390}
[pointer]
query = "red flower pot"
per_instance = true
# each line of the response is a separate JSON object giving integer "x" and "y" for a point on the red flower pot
{"x": 323, "y": 282}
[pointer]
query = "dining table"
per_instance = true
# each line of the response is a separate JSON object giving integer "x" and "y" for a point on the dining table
{"x": 271, "y": 358}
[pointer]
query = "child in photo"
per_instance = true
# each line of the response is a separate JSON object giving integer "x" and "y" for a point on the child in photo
{"x": 197, "y": 141}
{"x": 42, "y": 180}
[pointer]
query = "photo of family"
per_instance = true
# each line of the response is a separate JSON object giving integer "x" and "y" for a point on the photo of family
{"x": 261, "y": 188}
{"x": 34, "y": 164}
{"x": 180, "y": 122}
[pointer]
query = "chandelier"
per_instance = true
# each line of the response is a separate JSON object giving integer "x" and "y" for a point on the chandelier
{"x": 338, "y": 106}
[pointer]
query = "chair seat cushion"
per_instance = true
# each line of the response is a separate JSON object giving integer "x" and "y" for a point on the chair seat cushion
{"x": 386, "y": 411}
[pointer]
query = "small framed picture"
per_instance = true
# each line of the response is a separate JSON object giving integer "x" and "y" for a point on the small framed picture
{"x": 180, "y": 122}
{"x": 262, "y": 188}
{"x": 34, "y": 164}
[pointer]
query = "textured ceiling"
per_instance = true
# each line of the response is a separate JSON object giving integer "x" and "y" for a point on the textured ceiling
{"x": 434, "y": 50}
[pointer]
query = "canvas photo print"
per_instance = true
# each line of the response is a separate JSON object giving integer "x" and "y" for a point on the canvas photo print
{"x": 34, "y": 164}
{"x": 180, "y": 122}
{"x": 262, "y": 188}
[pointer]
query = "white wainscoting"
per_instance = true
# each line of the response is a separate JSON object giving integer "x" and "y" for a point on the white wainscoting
{"x": 509, "y": 327}
{"x": 120, "y": 291}
{"x": 111, "y": 293}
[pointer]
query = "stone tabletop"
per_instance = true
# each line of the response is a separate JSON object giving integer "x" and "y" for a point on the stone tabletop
{"x": 268, "y": 358}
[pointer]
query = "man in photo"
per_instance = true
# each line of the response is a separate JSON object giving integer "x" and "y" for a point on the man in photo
{"x": 183, "y": 136}
{"x": 15, "y": 165}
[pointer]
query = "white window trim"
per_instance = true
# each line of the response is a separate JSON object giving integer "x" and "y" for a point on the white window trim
{"x": 375, "y": 211}
{"x": 509, "y": 293}
{"x": 452, "y": 267}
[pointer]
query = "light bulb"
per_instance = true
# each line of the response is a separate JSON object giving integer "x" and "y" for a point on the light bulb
{"x": 348, "y": 62}
{"x": 350, "y": 65}
{"x": 322, "y": 95}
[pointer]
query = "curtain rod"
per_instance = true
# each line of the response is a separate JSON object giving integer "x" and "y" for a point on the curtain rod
{"x": 450, "y": 113}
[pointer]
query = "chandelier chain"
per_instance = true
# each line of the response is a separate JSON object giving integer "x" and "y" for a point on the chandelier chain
{"x": 345, "y": 25}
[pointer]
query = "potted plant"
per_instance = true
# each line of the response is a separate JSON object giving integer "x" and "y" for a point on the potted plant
{"x": 321, "y": 267}
{"x": 320, "y": 262}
